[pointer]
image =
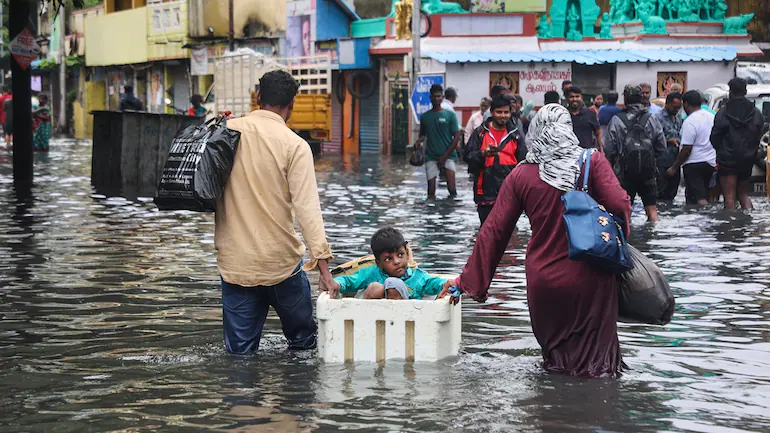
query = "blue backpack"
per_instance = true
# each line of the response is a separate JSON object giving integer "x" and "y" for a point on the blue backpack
{"x": 594, "y": 235}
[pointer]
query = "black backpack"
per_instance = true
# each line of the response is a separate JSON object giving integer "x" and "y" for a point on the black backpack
{"x": 637, "y": 158}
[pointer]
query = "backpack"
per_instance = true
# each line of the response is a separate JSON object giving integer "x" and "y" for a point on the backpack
{"x": 637, "y": 158}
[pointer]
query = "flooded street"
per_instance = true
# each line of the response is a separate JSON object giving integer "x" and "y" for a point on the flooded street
{"x": 111, "y": 321}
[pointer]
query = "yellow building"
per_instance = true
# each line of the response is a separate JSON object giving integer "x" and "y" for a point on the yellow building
{"x": 139, "y": 43}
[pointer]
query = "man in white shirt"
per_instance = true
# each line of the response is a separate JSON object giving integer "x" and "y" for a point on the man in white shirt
{"x": 477, "y": 118}
{"x": 696, "y": 155}
{"x": 450, "y": 96}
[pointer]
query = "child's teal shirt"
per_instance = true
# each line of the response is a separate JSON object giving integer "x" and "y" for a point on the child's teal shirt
{"x": 418, "y": 282}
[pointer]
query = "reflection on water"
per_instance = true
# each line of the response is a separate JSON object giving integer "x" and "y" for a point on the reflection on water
{"x": 111, "y": 322}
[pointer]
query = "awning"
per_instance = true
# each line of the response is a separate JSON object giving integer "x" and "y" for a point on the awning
{"x": 592, "y": 57}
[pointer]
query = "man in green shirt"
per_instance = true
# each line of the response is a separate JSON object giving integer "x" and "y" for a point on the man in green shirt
{"x": 440, "y": 132}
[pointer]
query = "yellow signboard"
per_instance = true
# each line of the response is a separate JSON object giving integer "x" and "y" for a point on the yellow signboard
{"x": 507, "y": 6}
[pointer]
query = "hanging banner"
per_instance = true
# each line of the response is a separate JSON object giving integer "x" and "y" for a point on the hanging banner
{"x": 199, "y": 61}
{"x": 24, "y": 49}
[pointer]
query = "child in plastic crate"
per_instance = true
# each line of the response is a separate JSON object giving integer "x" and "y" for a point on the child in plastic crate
{"x": 391, "y": 278}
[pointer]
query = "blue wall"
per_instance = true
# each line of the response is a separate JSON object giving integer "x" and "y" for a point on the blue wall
{"x": 331, "y": 21}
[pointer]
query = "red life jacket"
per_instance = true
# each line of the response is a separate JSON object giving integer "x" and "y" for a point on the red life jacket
{"x": 496, "y": 167}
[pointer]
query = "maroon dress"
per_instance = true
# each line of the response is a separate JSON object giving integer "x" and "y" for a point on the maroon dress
{"x": 572, "y": 305}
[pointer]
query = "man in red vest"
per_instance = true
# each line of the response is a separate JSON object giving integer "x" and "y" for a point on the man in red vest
{"x": 492, "y": 152}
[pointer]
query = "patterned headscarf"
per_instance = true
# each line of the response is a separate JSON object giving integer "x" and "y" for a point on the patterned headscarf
{"x": 554, "y": 147}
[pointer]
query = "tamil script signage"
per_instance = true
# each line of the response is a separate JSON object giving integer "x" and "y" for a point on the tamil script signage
{"x": 535, "y": 80}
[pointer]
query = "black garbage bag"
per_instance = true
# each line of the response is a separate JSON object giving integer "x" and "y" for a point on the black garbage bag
{"x": 643, "y": 292}
{"x": 199, "y": 163}
{"x": 418, "y": 157}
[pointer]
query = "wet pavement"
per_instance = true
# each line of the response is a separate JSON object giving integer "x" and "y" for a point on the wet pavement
{"x": 111, "y": 322}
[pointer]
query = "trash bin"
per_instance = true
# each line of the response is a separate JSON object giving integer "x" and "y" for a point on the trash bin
{"x": 130, "y": 148}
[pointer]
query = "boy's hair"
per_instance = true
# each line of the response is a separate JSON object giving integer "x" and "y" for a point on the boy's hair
{"x": 496, "y": 91}
{"x": 278, "y": 88}
{"x": 436, "y": 88}
{"x": 499, "y": 102}
{"x": 573, "y": 90}
{"x": 692, "y": 98}
{"x": 386, "y": 240}
{"x": 552, "y": 97}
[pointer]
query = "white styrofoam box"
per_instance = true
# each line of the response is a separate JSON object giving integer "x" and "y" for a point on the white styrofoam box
{"x": 374, "y": 330}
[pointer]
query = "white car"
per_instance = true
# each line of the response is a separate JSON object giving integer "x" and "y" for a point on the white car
{"x": 717, "y": 97}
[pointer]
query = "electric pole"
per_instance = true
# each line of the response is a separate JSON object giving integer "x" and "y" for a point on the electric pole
{"x": 62, "y": 71}
{"x": 414, "y": 68}
{"x": 20, "y": 14}
{"x": 231, "y": 34}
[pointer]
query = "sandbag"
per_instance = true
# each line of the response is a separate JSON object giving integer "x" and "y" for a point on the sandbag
{"x": 643, "y": 292}
{"x": 199, "y": 163}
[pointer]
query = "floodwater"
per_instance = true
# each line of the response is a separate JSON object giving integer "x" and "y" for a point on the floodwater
{"x": 111, "y": 322}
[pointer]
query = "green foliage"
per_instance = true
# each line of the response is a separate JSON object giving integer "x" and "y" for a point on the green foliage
{"x": 48, "y": 65}
{"x": 73, "y": 61}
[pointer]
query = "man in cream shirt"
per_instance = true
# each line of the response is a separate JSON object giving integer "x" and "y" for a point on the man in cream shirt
{"x": 258, "y": 251}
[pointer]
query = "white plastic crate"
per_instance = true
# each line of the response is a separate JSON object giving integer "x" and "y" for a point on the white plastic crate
{"x": 351, "y": 329}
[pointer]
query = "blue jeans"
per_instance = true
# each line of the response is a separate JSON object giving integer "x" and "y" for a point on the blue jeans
{"x": 244, "y": 310}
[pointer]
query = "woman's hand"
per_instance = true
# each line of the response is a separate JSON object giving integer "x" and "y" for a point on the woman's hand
{"x": 449, "y": 288}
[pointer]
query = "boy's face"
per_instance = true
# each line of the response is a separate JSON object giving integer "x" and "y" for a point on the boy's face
{"x": 393, "y": 263}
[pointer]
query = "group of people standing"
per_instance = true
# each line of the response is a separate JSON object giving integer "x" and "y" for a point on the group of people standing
{"x": 41, "y": 119}
{"x": 649, "y": 147}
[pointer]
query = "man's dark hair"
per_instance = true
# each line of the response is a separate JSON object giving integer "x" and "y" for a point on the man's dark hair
{"x": 496, "y": 91}
{"x": 498, "y": 102}
{"x": 552, "y": 97}
{"x": 692, "y": 98}
{"x": 573, "y": 90}
{"x": 436, "y": 88}
{"x": 128, "y": 89}
{"x": 737, "y": 86}
{"x": 566, "y": 83}
{"x": 672, "y": 96}
{"x": 277, "y": 88}
{"x": 196, "y": 99}
{"x": 450, "y": 93}
{"x": 386, "y": 240}
{"x": 518, "y": 99}
{"x": 612, "y": 97}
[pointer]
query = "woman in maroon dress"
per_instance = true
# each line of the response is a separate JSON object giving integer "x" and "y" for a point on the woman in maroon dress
{"x": 572, "y": 305}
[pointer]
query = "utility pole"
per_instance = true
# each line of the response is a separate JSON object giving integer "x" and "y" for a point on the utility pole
{"x": 20, "y": 16}
{"x": 415, "y": 66}
{"x": 231, "y": 34}
{"x": 62, "y": 71}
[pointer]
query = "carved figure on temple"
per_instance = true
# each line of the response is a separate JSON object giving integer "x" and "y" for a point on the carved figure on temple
{"x": 621, "y": 11}
{"x": 666, "y": 8}
{"x": 403, "y": 19}
{"x": 720, "y": 10}
{"x": 653, "y": 25}
{"x": 606, "y": 25}
{"x": 737, "y": 25}
{"x": 544, "y": 28}
{"x": 685, "y": 11}
{"x": 439, "y": 7}
{"x": 573, "y": 24}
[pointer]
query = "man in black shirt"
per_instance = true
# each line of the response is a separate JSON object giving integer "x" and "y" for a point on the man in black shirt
{"x": 584, "y": 121}
{"x": 128, "y": 101}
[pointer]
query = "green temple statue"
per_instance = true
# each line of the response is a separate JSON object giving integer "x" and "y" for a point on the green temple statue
{"x": 606, "y": 27}
{"x": 544, "y": 28}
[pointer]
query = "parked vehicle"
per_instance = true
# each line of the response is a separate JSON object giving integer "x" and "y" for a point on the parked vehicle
{"x": 236, "y": 83}
{"x": 718, "y": 95}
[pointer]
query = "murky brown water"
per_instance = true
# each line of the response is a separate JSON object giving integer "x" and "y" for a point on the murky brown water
{"x": 111, "y": 322}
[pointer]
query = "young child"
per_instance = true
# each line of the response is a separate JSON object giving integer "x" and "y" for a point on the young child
{"x": 391, "y": 278}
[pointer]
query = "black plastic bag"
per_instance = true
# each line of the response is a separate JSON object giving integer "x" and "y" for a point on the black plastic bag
{"x": 199, "y": 163}
{"x": 418, "y": 157}
{"x": 643, "y": 292}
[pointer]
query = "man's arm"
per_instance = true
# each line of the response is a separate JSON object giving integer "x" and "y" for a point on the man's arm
{"x": 307, "y": 207}
{"x": 458, "y": 135}
{"x": 422, "y": 136}
{"x": 597, "y": 129}
{"x": 655, "y": 129}
{"x": 719, "y": 131}
{"x": 611, "y": 146}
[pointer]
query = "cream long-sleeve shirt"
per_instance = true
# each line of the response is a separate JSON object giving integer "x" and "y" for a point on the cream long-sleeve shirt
{"x": 272, "y": 182}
